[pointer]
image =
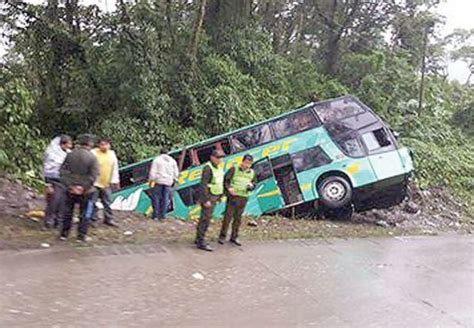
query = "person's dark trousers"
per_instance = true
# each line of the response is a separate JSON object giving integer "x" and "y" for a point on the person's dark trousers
{"x": 105, "y": 197}
{"x": 160, "y": 200}
{"x": 85, "y": 208}
{"x": 54, "y": 203}
{"x": 204, "y": 220}
{"x": 235, "y": 207}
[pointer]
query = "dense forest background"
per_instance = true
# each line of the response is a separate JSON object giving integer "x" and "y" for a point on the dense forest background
{"x": 172, "y": 72}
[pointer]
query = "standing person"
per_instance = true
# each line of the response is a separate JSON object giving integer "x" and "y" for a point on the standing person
{"x": 212, "y": 188}
{"x": 163, "y": 175}
{"x": 107, "y": 181}
{"x": 238, "y": 183}
{"x": 53, "y": 159}
{"x": 78, "y": 174}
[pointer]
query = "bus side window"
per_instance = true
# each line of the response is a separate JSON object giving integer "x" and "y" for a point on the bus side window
{"x": 204, "y": 153}
{"x": 224, "y": 145}
{"x": 377, "y": 140}
{"x": 263, "y": 170}
{"x": 338, "y": 109}
{"x": 190, "y": 195}
{"x": 294, "y": 123}
{"x": 178, "y": 158}
{"x": 310, "y": 158}
{"x": 351, "y": 146}
{"x": 135, "y": 175}
{"x": 126, "y": 178}
{"x": 251, "y": 138}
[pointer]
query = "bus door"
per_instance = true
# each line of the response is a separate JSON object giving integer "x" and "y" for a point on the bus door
{"x": 285, "y": 174}
{"x": 268, "y": 193}
{"x": 383, "y": 154}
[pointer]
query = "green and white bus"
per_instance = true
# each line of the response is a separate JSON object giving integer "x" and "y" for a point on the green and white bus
{"x": 336, "y": 153}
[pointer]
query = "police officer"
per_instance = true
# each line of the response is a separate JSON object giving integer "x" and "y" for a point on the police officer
{"x": 238, "y": 182}
{"x": 212, "y": 189}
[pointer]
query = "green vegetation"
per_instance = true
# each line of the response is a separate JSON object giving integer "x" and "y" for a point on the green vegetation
{"x": 171, "y": 72}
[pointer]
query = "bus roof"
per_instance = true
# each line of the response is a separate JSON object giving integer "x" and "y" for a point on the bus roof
{"x": 215, "y": 138}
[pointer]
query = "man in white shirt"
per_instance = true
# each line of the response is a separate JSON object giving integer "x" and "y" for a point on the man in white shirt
{"x": 164, "y": 173}
{"x": 54, "y": 157}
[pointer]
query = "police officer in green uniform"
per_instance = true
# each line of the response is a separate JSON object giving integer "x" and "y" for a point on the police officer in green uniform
{"x": 238, "y": 183}
{"x": 212, "y": 189}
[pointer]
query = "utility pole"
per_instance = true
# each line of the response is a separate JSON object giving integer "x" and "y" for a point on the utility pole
{"x": 423, "y": 64}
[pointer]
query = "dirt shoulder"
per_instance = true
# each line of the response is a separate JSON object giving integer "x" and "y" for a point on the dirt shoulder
{"x": 428, "y": 212}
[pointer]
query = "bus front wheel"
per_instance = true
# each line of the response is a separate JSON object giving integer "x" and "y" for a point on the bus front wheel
{"x": 335, "y": 192}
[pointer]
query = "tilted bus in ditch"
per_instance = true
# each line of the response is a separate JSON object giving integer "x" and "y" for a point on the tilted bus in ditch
{"x": 336, "y": 153}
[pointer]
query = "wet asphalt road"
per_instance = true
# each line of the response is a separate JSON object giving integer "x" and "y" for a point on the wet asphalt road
{"x": 373, "y": 282}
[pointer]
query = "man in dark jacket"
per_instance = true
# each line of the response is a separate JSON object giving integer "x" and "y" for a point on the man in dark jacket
{"x": 78, "y": 174}
{"x": 212, "y": 189}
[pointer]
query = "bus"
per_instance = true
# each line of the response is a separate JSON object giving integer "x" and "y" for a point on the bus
{"x": 335, "y": 154}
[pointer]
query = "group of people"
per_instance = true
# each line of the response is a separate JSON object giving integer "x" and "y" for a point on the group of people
{"x": 84, "y": 175}
{"x": 78, "y": 174}
{"x": 236, "y": 184}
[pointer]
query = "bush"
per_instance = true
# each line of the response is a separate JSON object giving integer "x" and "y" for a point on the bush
{"x": 21, "y": 150}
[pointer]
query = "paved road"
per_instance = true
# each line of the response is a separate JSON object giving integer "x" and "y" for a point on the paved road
{"x": 373, "y": 282}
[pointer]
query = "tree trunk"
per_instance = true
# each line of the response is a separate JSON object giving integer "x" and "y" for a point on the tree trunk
{"x": 222, "y": 15}
{"x": 332, "y": 44}
{"x": 54, "y": 72}
{"x": 197, "y": 29}
{"x": 169, "y": 14}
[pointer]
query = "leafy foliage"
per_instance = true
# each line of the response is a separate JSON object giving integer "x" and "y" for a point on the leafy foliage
{"x": 21, "y": 148}
{"x": 169, "y": 73}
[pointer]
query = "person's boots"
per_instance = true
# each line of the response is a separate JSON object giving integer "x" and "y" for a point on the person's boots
{"x": 111, "y": 223}
{"x": 236, "y": 241}
{"x": 204, "y": 246}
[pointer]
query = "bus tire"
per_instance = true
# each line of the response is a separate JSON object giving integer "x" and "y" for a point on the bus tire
{"x": 335, "y": 192}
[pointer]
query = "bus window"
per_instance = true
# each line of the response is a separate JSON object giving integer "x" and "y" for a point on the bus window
{"x": 224, "y": 145}
{"x": 351, "y": 146}
{"x": 359, "y": 121}
{"x": 338, "y": 109}
{"x": 251, "y": 138}
{"x": 203, "y": 153}
{"x": 134, "y": 175}
{"x": 190, "y": 195}
{"x": 377, "y": 140}
{"x": 178, "y": 158}
{"x": 350, "y": 124}
{"x": 263, "y": 170}
{"x": 294, "y": 123}
{"x": 310, "y": 158}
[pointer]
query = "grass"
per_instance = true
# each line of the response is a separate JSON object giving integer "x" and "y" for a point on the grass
{"x": 19, "y": 233}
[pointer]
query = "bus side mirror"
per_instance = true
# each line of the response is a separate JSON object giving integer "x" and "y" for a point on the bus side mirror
{"x": 395, "y": 134}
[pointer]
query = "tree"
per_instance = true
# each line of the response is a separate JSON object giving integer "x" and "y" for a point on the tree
{"x": 463, "y": 41}
{"x": 224, "y": 15}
